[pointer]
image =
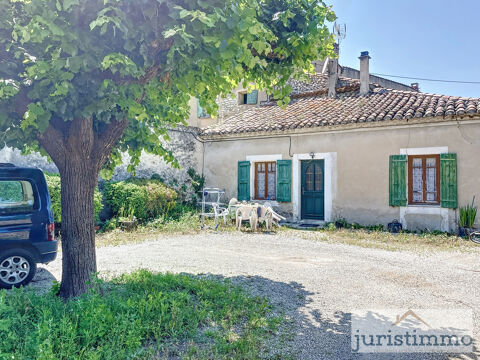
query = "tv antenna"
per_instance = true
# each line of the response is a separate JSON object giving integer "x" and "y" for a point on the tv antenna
{"x": 340, "y": 32}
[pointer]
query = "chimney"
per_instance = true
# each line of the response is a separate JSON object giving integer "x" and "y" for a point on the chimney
{"x": 332, "y": 77}
{"x": 364, "y": 73}
{"x": 415, "y": 86}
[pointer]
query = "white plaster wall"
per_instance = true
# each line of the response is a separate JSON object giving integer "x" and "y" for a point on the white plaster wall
{"x": 360, "y": 186}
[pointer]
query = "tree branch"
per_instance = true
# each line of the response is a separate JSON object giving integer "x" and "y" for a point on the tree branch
{"x": 150, "y": 74}
{"x": 21, "y": 101}
{"x": 52, "y": 141}
{"x": 106, "y": 140}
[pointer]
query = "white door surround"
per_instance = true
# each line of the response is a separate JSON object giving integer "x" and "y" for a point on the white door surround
{"x": 330, "y": 182}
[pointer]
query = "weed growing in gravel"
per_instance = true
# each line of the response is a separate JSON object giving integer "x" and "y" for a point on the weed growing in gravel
{"x": 393, "y": 242}
{"x": 137, "y": 316}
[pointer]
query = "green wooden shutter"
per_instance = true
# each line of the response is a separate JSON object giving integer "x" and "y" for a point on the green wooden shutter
{"x": 252, "y": 97}
{"x": 448, "y": 181}
{"x": 398, "y": 183}
{"x": 201, "y": 113}
{"x": 244, "y": 180}
{"x": 284, "y": 180}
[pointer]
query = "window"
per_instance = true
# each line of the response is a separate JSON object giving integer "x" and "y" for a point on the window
{"x": 16, "y": 196}
{"x": 432, "y": 180}
{"x": 265, "y": 180}
{"x": 424, "y": 179}
{"x": 250, "y": 98}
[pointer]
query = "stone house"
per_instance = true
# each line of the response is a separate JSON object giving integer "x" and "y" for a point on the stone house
{"x": 355, "y": 148}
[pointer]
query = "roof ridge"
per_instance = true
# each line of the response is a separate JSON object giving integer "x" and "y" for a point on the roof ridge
{"x": 432, "y": 94}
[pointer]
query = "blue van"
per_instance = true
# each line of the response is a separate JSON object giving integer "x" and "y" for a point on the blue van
{"x": 27, "y": 229}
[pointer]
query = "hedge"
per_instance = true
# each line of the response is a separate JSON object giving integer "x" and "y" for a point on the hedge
{"x": 53, "y": 183}
{"x": 145, "y": 199}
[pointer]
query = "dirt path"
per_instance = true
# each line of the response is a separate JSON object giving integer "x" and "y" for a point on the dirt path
{"x": 317, "y": 283}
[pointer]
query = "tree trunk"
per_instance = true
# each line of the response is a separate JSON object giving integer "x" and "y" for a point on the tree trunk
{"x": 79, "y": 154}
{"x": 78, "y": 182}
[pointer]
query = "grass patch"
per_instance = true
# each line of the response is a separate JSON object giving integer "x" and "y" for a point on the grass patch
{"x": 388, "y": 241}
{"x": 186, "y": 223}
{"x": 138, "y": 316}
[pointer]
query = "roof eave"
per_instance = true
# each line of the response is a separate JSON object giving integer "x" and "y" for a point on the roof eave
{"x": 343, "y": 127}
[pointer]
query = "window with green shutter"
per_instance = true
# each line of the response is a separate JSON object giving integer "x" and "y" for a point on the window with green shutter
{"x": 448, "y": 181}
{"x": 284, "y": 180}
{"x": 250, "y": 98}
{"x": 397, "y": 183}
{"x": 244, "y": 180}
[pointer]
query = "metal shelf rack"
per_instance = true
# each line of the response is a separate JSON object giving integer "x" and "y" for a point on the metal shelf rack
{"x": 211, "y": 204}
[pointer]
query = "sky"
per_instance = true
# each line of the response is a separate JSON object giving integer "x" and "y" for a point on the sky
{"x": 435, "y": 39}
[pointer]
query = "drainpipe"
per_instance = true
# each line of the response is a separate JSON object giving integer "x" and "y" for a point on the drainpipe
{"x": 364, "y": 73}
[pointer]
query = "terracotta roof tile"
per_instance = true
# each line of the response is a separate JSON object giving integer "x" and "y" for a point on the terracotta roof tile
{"x": 317, "y": 111}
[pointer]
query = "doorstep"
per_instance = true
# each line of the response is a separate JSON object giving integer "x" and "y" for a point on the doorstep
{"x": 305, "y": 224}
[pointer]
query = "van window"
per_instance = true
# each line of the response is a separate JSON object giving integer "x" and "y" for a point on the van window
{"x": 16, "y": 196}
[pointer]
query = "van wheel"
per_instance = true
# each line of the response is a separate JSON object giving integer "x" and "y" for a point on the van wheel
{"x": 17, "y": 268}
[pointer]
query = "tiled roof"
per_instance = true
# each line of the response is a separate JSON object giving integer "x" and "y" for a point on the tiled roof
{"x": 380, "y": 105}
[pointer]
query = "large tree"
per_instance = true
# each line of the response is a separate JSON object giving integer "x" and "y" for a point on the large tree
{"x": 85, "y": 80}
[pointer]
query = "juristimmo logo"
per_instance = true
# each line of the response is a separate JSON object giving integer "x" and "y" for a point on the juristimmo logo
{"x": 412, "y": 330}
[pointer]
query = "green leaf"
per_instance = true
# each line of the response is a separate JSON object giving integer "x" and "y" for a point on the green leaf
{"x": 143, "y": 61}
{"x": 67, "y": 4}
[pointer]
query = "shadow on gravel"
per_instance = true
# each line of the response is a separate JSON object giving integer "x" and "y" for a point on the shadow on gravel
{"x": 312, "y": 333}
{"x": 43, "y": 280}
{"x": 309, "y": 333}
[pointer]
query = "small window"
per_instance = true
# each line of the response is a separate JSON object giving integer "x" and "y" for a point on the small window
{"x": 424, "y": 179}
{"x": 250, "y": 98}
{"x": 265, "y": 180}
{"x": 201, "y": 112}
{"x": 16, "y": 196}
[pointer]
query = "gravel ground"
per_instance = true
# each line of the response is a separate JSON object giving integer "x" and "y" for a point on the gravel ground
{"x": 316, "y": 283}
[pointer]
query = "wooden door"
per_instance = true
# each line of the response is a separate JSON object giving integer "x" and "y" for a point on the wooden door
{"x": 313, "y": 189}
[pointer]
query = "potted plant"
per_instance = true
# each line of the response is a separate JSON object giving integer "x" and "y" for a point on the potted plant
{"x": 467, "y": 219}
{"x": 127, "y": 219}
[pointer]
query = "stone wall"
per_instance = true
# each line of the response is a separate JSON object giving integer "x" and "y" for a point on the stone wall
{"x": 14, "y": 156}
{"x": 227, "y": 107}
{"x": 186, "y": 149}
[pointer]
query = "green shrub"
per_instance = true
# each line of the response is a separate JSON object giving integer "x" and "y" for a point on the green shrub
{"x": 54, "y": 188}
{"x": 122, "y": 196}
{"x": 198, "y": 183}
{"x": 330, "y": 227}
{"x": 146, "y": 199}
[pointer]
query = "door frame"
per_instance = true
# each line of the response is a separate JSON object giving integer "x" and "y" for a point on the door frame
{"x": 330, "y": 174}
{"x": 303, "y": 166}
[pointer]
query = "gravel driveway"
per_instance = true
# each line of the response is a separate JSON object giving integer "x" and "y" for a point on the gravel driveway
{"x": 317, "y": 283}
